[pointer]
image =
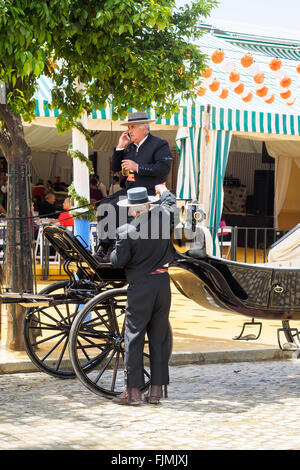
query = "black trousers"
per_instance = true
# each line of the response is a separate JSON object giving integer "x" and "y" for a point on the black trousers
{"x": 148, "y": 307}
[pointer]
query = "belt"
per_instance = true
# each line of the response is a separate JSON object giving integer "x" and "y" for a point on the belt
{"x": 159, "y": 271}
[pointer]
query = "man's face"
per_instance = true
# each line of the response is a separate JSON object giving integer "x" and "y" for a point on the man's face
{"x": 136, "y": 132}
{"x": 51, "y": 199}
{"x": 67, "y": 204}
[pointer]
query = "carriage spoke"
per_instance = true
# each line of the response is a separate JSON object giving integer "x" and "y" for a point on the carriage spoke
{"x": 98, "y": 377}
{"x": 49, "y": 338}
{"x": 62, "y": 354}
{"x": 54, "y": 348}
{"x": 92, "y": 363}
{"x": 113, "y": 382}
{"x": 113, "y": 315}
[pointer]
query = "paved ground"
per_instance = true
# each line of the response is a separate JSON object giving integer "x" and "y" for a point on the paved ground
{"x": 219, "y": 406}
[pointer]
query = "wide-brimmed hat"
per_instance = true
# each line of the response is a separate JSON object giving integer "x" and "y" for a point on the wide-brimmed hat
{"x": 137, "y": 197}
{"x": 137, "y": 117}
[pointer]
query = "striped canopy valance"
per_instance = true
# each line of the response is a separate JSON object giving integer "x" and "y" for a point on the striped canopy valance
{"x": 220, "y": 119}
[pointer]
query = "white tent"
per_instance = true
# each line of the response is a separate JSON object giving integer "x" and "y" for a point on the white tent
{"x": 204, "y": 129}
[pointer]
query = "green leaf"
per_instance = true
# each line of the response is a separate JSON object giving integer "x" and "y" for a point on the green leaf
{"x": 121, "y": 29}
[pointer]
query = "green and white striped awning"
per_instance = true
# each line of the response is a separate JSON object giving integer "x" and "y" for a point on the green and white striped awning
{"x": 269, "y": 46}
{"x": 269, "y": 49}
{"x": 220, "y": 119}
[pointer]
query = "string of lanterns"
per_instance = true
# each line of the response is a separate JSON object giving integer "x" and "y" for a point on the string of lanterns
{"x": 261, "y": 90}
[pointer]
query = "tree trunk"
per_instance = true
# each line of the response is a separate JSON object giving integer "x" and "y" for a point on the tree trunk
{"x": 18, "y": 247}
{"x": 18, "y": 253}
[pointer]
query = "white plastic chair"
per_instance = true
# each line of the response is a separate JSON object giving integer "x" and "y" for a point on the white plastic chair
{"x": 224, "y": 243}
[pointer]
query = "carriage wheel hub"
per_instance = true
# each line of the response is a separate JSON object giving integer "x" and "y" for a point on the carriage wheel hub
{"x": 118, "y": 343}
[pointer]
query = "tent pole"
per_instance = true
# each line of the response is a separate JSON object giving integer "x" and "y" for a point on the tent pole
{"x": 81, "y": 180}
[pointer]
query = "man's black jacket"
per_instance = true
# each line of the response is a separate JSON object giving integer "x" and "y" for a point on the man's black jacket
{"x": 145, "y": 244}
{"x": 154, "y": 161}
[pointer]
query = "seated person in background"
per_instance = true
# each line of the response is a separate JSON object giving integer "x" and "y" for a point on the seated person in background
{"x": 65, "y": 217}
{"x": 39, "y": 189}
{"x": 2, "y": 203}
{"x": 58, "y": 185}
{"x": 115, "y": 186}
{"x": 95, "y": 192}
{"x": 36, "y": 200}
{"x": 226, "y": 236}
{"x": 101, "y": 185}
{"x": 49, "y": 186}
{"x": 47, "y": 207}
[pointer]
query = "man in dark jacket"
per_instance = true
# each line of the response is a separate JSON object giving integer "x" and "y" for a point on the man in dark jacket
{"x": 144, "y": 248}
{"x": 144, "y": 159}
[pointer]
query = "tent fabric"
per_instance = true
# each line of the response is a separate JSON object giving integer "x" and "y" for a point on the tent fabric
{"x": 284, "y": 154}
{"x": 42, "y": 171}
{"x": 203, "y": 157}
{"x": 221, "y": 119}
{"x": 230, "y": 114}
{"x": 209, "y": 43}
{"x": 221, "y": 144}
{"x": 269, "y": 46}
{"x": 287, "y": 251}
{"x": 188, "y": 142}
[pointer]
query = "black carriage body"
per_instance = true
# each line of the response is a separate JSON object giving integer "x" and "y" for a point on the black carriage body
{"x": 257, "y": 291}
{"x": 79, "y": 264}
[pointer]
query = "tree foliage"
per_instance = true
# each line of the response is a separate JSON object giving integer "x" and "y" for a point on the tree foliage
{"x": 128, "y": 53}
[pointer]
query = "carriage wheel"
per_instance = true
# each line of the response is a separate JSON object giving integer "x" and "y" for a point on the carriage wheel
{"x": 46, "y": 334}
{"x": 97, "y": 344}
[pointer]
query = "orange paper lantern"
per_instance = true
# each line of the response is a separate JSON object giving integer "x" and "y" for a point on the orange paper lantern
{"x": 215, "y": 85}
{"x": 224, "y": 94}
{"x": 201, "y": 91}
{"x": 270, "y": 100}
{"x": 298, "y": 68}
{"x": 206, "y": 73}
{"x": 247, "y": 60}
{"x": 261, "y": 92}
{"x": 285, "y": 82}
{"x": 239, "y": 89}
{"x": 286, "y": 94}
{"x": 234, "y": 76}
{"x": 248, "y": 97}
{"x": 292, "y": 102}
{"x": 259, "y": 78}
{"x": 275, "y": 64}
{"x": 218, "y": 56}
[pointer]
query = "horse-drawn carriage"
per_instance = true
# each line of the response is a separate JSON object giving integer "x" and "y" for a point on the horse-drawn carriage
{"x": 75, "y": 327}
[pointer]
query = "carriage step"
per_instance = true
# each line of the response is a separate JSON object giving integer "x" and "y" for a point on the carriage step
{"x": 250, "y": 336}
{"x": 25, "y": 299}
{"x": 291, "y": 345}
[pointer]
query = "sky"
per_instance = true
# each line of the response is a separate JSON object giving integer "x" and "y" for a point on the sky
{"x": 280, "y": 18}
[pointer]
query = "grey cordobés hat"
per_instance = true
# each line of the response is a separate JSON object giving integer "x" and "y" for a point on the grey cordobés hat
{"x": 137, "y": 117}
{"x": 137, "y": 197}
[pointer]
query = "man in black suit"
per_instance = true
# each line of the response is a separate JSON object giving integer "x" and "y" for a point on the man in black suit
{"x": 144, "y": 248}
{"x": 144, "y": 159}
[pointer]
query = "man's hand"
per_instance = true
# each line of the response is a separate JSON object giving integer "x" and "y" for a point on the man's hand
{"x": 161, "y": 188}
{"x": 130, "y": 165}
{"x": 124, "y": 140}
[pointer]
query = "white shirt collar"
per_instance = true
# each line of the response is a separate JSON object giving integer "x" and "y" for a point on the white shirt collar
{"x": 141, "y": 142}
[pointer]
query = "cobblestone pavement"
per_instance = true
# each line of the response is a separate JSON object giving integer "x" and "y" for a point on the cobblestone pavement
{"x": 217, "y": 406}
